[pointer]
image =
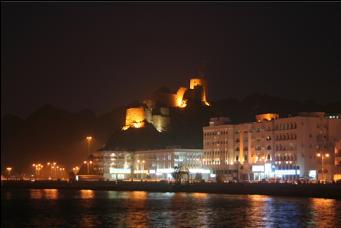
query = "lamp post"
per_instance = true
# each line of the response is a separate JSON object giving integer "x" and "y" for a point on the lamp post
{"x": 53, "y": 171}
{"x": 237, "y": 161}
{"x": 87, "y": 166}
{"x": 138, "y": 166}
{"x": 50, "y": 174}
{"x": 142, "y": 174}
{"x": 322, "y": 156}
{"x": 37, "y": 168}
{"x": 9, "y": 169}
{"x": 88, "y": 140}
{"x": 90, "y": 163}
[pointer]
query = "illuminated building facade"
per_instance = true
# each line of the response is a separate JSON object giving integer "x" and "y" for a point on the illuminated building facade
{"x": 156, "y": 164}
{"x": 337, "y": 152}
{"x": 272, "y": 147}
{"x": 156, "y": 109}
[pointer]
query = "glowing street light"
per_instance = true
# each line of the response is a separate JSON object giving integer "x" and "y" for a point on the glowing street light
{"x": 87, "y": 165}
{"x": 37, "y": 168}
{"x": 9, "y": 169}
{"x": 49, "y": 164}
{"x": 75, "y": 169}
{"x": 322, "y": 156}
{"x": 90, "y": 163}
{"x": 88, "y": 140}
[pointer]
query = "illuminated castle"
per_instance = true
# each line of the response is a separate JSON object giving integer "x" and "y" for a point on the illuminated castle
{"x": 156, "y": 109}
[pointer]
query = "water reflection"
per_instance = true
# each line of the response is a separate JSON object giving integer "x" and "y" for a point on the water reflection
{"x": 137, "y": 210}
{"x": 257, "y": 198}
{"x": 36, "y": 194}
{"x": 322, "y": 211}
{"x": 139, "y": 195}
{"x": 88, "y": 208}
{"x": 198, "y": 195}
{"x": 50, "y": 194}
{"x": 87, "y": 194}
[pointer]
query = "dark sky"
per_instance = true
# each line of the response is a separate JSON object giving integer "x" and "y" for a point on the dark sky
{"x": 101, "y": 55}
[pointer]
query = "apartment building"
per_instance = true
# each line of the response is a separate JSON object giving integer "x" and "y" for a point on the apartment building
{"x": 273, "y": 147}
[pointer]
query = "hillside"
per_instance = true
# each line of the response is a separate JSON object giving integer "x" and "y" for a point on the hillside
{"x": 55, "y": 134}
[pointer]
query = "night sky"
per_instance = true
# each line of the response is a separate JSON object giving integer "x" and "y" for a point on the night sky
{"x": 102, "y": 55}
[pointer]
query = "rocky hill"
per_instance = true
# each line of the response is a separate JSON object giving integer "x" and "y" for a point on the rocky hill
{"x": 58, "y": 135}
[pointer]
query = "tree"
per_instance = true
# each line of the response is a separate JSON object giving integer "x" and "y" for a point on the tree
{"x": 181, "y": 174}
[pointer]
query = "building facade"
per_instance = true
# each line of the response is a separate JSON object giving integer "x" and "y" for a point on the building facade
{"x": 273, "y": 147}
{"x": 148, "y": 164}
{"x": 337, "y": 171}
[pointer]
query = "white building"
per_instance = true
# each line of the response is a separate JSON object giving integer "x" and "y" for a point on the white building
{"x": 273, "y": 147}
{"x": 156, "y": 164}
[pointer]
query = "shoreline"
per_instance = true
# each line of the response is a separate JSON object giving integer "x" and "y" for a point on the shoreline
{"x": 330, "y": 191}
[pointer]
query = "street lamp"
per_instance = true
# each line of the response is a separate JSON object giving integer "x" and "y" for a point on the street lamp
{"x": 322, "y": 156}
{"x": 87, "y": 164}
{"x": 61, "y": 173}
{"x": 237, "y": 161}
{"x": 37, "y": 168}
{"x": 142, "y": 174}
{"x": 9, "y": 169}
{"x": 53, "y": 171}
{"x": 90, "y": 163}
{"x": 49, "y": 164}
{"x": 88, "y": 140}
{"x": 75, "y": 169}
{"x": 138, "y": 168}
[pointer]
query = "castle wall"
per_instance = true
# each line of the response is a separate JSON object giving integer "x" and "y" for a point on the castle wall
{"x": 194, "y": 82}
{"x": 135, "y": 117}
{"x": 161, "y": 122}
{"x": 179, "y": 99}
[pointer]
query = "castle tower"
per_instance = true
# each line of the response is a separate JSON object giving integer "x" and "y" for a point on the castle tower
{"x": 135, "y": 118}
{"x": 199, "y": 81}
